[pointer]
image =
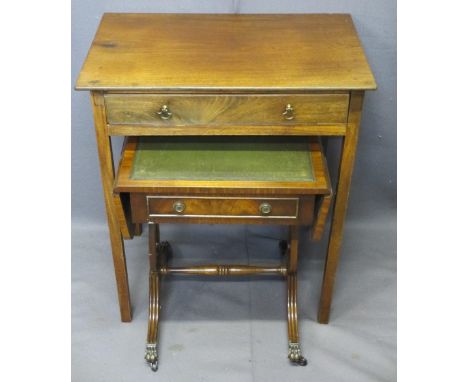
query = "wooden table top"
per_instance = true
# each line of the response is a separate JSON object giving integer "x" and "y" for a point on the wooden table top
{"x": 226, "y": 52}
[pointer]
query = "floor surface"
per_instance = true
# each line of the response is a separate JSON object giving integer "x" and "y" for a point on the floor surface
{"x": 218, "y": 329}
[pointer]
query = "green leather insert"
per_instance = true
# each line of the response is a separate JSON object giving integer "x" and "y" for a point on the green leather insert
{"x": 223, "y": 158}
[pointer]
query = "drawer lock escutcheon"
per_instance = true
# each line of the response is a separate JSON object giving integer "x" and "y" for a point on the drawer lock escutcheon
{"x": 265, "y": 208}
{"x": 178, "y": 207}
{"x": 288, "y": 112}
{"x": 164, "y": 113}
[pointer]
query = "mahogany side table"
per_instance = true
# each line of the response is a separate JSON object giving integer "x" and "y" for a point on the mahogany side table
{"x": 225, "y": 74}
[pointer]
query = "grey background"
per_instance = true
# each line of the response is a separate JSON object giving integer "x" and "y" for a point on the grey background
{"x": 243, "y": 338}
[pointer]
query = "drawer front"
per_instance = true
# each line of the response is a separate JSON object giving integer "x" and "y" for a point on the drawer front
{"x": 222, "y": 110}
{"x": 205, "y": 207}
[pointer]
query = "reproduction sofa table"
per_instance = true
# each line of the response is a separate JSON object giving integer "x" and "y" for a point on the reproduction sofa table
{"x": 224, "y": 180}
{"x": 180, "y": 78}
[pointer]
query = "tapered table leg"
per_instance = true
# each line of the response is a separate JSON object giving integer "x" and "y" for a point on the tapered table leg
{"x": 107, "y": 177}
{"x": 341, "y": 202}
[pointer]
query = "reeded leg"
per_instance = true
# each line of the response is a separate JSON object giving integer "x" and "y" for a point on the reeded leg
{"x": 151, "y": 355}
{"x": 294, "y": 350}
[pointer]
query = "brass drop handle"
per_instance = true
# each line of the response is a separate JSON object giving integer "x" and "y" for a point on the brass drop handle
{"x": 164, "y": 112}
{"x": 178, "y": 207}
{"x": 265, "y": 208}
{"x": 288, "y": 112}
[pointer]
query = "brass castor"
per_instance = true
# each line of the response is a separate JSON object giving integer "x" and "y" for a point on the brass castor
{"x": 151, "y": 356}
{"x": 295, "y": 356}
{"x": 154, "y": 366}
{"x": 301, "y": 361}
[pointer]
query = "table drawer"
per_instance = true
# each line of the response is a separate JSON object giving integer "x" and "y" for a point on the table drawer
{"x": 167, "y": 206}
{"x": 222, "y": 110}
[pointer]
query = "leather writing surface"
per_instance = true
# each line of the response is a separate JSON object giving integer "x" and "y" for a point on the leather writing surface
{"x": 223, "y": 158}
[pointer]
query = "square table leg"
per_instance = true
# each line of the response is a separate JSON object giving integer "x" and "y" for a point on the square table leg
{"x": 106, "y": 163}
{"x": 348, "y": 154}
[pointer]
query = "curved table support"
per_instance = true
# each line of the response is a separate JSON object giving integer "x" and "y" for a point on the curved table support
{"x": 158, "y": 256}
{"x": 294, "y": 349}
{"x": 151, "y": 355}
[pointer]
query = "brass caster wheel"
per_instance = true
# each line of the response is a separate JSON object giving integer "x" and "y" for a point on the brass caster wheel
{"x": 295, "y": 356}
{"x": 154, "y": 366}
{"x": 301, "y": 361}
{"x": 151, "y": 356}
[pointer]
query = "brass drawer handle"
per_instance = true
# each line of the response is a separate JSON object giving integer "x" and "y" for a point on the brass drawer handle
{"x": 288, "y": 112}
{"x": 178, "y": 207}
{"x": 265, "y": 208}
{"x": 164, "y": 112}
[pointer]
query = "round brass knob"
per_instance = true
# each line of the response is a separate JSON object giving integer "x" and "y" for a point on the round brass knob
{"x": 178, "y": 207}
{"x": 288, "y": 112}
{"x": 265, "y": 208}
{"x": 164, "y": 112}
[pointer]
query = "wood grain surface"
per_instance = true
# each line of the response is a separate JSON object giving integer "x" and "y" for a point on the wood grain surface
{"x": 226, "y": 52}
{"x": 209, "y": 209}
{"x": 226, "y": 74}
{"x": 222, "y": 206}
{"x": 106, "y": 164}
{"x": 193, "y": 110}
{"x": 348, "y": 155}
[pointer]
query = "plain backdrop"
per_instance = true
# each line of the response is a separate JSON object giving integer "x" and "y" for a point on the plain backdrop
{"x": 213, "y": 330}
